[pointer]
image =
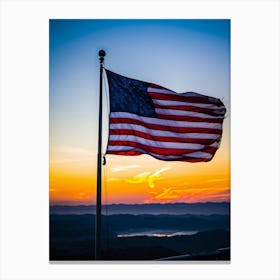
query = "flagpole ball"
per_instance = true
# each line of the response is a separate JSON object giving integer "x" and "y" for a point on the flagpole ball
{"x": 102, "y": 53}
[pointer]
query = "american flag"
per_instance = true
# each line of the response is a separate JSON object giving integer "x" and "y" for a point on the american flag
{"x": 149, "y": 119}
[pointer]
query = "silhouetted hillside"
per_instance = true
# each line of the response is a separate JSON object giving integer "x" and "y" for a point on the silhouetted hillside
{"x": 150, "y": 248}
{"x": 207, "y": 208}
{"x": 72, "y": 236}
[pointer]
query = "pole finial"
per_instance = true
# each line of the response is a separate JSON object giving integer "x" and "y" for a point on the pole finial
{"x": 101, "y": 53}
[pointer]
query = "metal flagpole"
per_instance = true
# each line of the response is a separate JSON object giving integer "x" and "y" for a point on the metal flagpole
{"x": 101, "y": 54}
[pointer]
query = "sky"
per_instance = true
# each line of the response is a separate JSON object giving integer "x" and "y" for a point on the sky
{"x": 182, "y": 55}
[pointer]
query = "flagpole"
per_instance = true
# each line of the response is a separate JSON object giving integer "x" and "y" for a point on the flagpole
{"x": 101, "y": 54}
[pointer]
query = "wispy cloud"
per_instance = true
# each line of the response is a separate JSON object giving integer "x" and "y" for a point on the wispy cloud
{"x": 156, "y": 176}
{"x": 124, "y": 168}
{"x": 81, "y": 196}
{"x": 167, "y": 194}
{"x": 139, "y": 178}
{"x": 149, "y": 177}
{"x": 158, "y": 172}
{"x": 186, "y": 193}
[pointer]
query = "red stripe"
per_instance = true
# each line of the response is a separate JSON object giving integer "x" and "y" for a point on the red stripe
{"x": 207, "y": 111}
{"x": 191, "y": 99}
{"x": 162, "y": 138}
{"x": 188, "y": 119}
{"x": 136, "y": 153}
{"x": 160, "y": 151}
{"x": 125, "y": 153}
{"x": 189, "y": 159}
{"x": 182, "y": 158}
{"x": 165, "y": 127}
{"x": 158, "y": 87}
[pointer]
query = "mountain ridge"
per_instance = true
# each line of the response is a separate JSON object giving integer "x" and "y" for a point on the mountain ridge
{"x": 153, "y": 208}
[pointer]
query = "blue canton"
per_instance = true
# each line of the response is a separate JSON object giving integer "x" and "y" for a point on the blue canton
{"x": 129, "y": 95}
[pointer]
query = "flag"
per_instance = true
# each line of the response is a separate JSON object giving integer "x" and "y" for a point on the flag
{"x": 146, "y": 118}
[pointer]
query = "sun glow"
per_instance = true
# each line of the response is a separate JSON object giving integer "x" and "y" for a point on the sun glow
{"x": 198, "y": 50}
{"x": 139, "y": 179}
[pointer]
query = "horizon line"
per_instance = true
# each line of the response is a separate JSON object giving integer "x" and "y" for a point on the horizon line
{"x": 134, "y": 204}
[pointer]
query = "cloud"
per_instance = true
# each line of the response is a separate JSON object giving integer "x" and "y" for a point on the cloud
{"x": 156, "y": 176}
{"x": 167, "y": 194}
{"x": 139, "y": 178}
{"x": 187, "y": 193}
{"x": 163, "y": 195}
{"x": 124, "y": 168}
{"x": 81, "y": 196}
{"x": 148, "y": 177}
{"x": 161, "y": 170}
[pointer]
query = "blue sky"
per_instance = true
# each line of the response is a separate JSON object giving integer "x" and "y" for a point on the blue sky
{"x": 183, "y": 55}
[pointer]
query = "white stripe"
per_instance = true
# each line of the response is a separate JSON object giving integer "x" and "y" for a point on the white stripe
{"x": 160, "y": 144}
{"x": 200, "y": 155}
{"x": 171, "y": 123}
{"x": 137, "y": 127}
{"x": 173, "y": 112}
{"x": 181, "y": 103}
{"x": 215, "y": 144}
{"x": 161, "y": 90}
{"x": 128, "y": 148}
{"x": 122, "y": 148}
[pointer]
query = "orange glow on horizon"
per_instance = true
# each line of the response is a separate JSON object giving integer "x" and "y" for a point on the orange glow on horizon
{"x": 139, "y": 179}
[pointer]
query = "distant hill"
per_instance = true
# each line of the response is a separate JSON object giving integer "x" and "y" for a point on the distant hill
{"x": 128, "y": 237}
{"x": 207, "y": 208}
{"x": 112, "y": 225}
{"x": 72, "y": 236}
{"x": 149, "y": 248}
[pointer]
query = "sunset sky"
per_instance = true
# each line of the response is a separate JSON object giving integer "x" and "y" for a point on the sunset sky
{"x": 182, "y": 55}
